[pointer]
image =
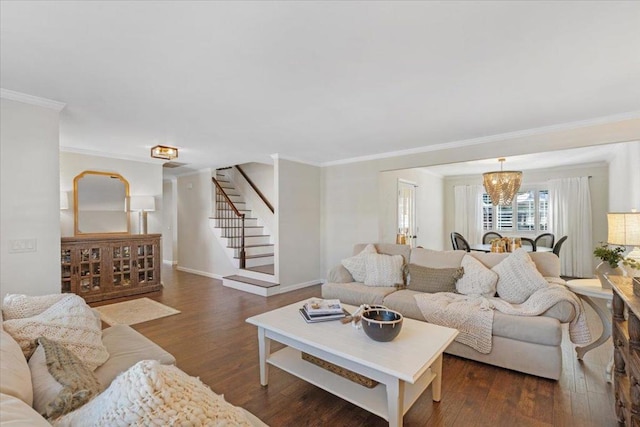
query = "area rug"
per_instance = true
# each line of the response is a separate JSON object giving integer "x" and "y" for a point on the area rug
{"x": 134, "y": 311}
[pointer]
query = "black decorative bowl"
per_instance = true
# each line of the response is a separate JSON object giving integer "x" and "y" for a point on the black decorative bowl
{"x": 381, "y": 324}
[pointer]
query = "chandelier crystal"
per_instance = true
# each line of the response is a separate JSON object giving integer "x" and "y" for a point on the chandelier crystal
{"x": 502, "y": 186}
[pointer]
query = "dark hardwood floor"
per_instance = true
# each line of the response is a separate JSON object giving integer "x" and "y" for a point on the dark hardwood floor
{"x": 211, "y": 340}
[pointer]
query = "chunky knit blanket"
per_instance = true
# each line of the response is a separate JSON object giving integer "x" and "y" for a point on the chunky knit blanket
{"x": 152, "y": 394}
{"x": 69, "y": 321}
{"x": 472, "y": 315}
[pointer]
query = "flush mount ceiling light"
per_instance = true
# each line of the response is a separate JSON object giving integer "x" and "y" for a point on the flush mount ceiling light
{"x": 501, "y": 185}
{"x": 164, "y": 152}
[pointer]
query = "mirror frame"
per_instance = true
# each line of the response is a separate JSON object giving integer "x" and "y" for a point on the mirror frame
{"x": 76, "y": 231}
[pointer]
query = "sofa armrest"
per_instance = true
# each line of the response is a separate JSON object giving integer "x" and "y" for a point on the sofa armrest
{"x": 339, "y": 274}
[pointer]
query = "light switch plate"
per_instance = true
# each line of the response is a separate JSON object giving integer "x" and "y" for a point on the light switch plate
{"x": 19, "y": 246}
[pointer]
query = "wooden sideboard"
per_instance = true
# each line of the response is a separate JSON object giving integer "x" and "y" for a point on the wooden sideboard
{"x": 626, "y": 351}
{"x": 111, "y": 266}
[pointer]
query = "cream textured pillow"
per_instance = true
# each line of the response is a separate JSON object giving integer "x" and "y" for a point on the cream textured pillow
{"x": 518, "y": 277}
{"x": 16, "y": 413}
{"x": 357, "y": 263}
{"x": 384, "y": 270}
{"x": 19, "y": 306}
{"x": 477, "y": 279}
{"x": 71, "y": 322}
{"x": 61, "y": 382}
{"x": 432, "y": 280}
{"x": 149, "y": 393}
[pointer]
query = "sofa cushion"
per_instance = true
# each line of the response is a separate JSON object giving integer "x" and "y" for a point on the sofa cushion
{"x": 150, "y": 393}
{"x": 477, "y": 279}
{"x": 356, "y": 293}
{"x": 339, "y": 274}
{"x": 518, "y": 277}
{"x": 426, "y": 279}
{"x": 384, "y": 270}
{"x": 357, "y": 264}
{"x": 16, "y": 413}
{"x": 15, "y": 377}
{"x": 533, "y": 329}
{"x": 61, "y": 382}
{"x": 126, "y": 347}
{"x": 436, "y": 259}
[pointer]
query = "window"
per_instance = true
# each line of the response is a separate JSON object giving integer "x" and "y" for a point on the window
{"x": 529, "y": 212}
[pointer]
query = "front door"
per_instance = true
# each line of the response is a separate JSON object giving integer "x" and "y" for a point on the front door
{"x": 407, "y": 228}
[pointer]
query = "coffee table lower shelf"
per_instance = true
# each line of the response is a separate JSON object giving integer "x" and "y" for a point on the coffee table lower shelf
{"x": 373, "y": 400}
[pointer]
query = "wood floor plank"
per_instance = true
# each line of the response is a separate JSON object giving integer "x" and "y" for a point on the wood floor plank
{"x": 210, "y": 339}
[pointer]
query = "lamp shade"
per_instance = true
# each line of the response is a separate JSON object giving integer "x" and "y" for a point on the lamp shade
{"x": 624, "y": 228}
{"x": 64, "y": 200}
{"x": 142, "y": 203}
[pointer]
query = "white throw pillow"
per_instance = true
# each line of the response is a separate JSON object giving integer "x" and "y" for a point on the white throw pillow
{"x": 149, "y": 393}
{"x": 357, "y": 263}
{"x": 45, "y": 387}
{"x": 477, "y": 279}
{"x": 19, "y": 306}
{"x": 518, "y": 277}
{"x": 71, "y": 322}
{"x": 384, "y": 270}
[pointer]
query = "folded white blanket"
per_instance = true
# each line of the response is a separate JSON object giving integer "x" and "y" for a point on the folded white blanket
{"x": 473, "y": 315}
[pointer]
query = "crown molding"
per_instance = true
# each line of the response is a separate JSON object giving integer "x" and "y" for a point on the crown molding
{"x": 33, "y": 100}
{"x": 278, "y": 156}
{"x": 491, "y": 138}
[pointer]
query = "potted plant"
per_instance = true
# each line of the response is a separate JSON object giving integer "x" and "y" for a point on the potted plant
{"x": 610, "y": 258}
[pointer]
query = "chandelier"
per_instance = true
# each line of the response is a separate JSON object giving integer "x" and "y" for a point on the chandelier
{"x": 164, "y": 152}
{"x": 502, "y": 186}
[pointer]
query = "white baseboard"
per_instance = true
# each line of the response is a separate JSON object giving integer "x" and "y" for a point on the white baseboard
{"x": 168, "y": 261}
{"x": 296, "y": 286}
{"x": 200, "y": 273}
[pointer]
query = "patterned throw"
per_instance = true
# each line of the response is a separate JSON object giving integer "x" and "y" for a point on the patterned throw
{"x": 160, "y": 395}
{"x": 473, "y": 315}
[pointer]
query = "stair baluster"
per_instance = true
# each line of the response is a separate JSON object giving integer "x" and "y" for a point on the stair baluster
{"x": 232, "y": 220}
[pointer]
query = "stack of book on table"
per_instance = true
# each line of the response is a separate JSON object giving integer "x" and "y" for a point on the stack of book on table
{"x": 320, "y": 310}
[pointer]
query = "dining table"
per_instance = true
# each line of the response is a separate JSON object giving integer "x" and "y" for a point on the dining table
{"x": 487, "y": 248}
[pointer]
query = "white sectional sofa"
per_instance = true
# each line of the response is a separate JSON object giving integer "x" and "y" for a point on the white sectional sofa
{"x": 529, "y": 344}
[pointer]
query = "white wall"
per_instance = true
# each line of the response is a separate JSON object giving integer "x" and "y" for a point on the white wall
{"x": 350, "y": 191}
{"x": 145, "y": 179}
{"x": 429, "y": 206}
{"x": 198, "y": 249}
{"x": 298, "y": 224}
{"x": 169, "y": 221}
{"x": 624, "y": 178}
{"x": 29, "y": 200}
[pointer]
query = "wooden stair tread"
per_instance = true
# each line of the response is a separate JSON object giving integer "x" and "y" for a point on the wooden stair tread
{"x": 246, "y": 226}
{"x": 251, "y": 281}
{"x": 217, "y": 217}
{"x": 255, "y": 256}
{"x": 251, "y": 246}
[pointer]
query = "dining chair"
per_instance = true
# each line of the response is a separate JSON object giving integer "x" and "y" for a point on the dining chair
{"x": 528, "y": 242}
{"x": 558, "y": 245}
{"x": 546, "y": 240}
{"x": 459, "y": 242}
{"x": 489, "y": 236}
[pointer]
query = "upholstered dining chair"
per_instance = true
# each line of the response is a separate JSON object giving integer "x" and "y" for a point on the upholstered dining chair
{"x": 558, "y": 245}
{"x": 546, "y": 240}
{"x": 528, "y": 242}
{"x": 459, "y": 242}
{"x": 489, "y": 236}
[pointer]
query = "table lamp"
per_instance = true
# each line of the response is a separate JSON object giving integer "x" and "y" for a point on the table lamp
{"x": 142, "y": 205}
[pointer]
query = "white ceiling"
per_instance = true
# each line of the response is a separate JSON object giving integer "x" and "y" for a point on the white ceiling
{"x": 233, "y": 82}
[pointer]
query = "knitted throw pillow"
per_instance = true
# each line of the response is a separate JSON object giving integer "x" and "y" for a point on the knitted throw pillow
{"x": 432, "y": 280}
{"x": 357, "y": 263}
{"x": 384, "y": 270}
{"x": 149, "y": 393}
{"x": 61, "y": 382}
{"x": 518, "y": 277}
{"x": 477, "y": 279}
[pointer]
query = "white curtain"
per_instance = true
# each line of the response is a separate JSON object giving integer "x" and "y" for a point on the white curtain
{"x": 570, "y": 215}
{"x": 468, "y": 212}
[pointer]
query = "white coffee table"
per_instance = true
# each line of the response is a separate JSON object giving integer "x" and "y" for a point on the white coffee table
{"x": 587, "y": 290}
{"x": 404, "y": 367}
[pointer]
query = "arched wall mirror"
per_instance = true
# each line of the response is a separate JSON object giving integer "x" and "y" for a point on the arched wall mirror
{"x": 100, "y": 203}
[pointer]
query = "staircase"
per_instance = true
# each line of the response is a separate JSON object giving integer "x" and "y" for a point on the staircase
{"x": 257, "y": 274}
